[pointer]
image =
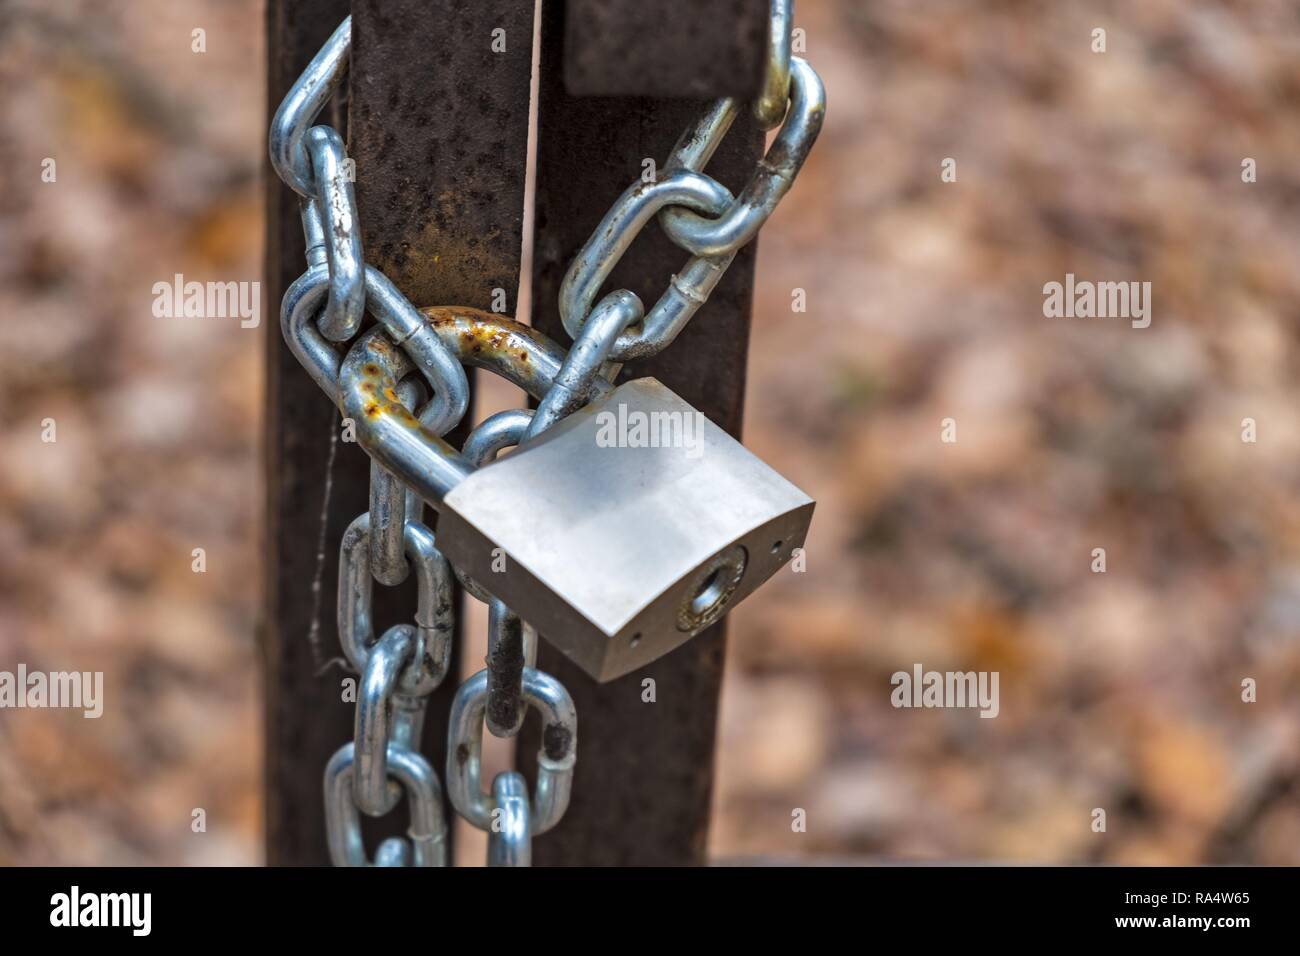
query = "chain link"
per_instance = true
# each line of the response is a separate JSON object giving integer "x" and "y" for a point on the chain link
{"x": 776, "y": 172}
{"x": 555, "y": 760}
{"x": 419, "y": 356}
{"x": 687, "y": 290}
{"x": 769, "y": 108}
{"x": 427, "y": 832}
{"x": 346, "y": 305}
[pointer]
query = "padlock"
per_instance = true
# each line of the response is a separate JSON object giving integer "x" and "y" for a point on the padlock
{"x": 619, "y": 533}
{"x": 625, "y": 529}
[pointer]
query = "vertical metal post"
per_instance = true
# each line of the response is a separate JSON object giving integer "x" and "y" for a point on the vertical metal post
{"x": 644, "y": 775}
{"x": 438, "y": 131}
{"x": 439, "y": 120}
{"x": 665, "y": 48}
{"x": 440, "y": 93}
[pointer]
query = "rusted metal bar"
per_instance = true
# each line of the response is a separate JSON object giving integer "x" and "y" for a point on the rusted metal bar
{"x": 645, "y": 770}
{"x": 438, "y": 131}
{"x": 440, "y": 93}
{"x": 665, "y": 48}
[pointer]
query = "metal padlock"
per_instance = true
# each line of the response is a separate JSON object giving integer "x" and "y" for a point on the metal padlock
{"x": 625, "y": 529}
{"x": 619, "y": 533}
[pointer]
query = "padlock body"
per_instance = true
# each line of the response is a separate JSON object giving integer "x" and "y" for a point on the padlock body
{"x": 625, "y": 529}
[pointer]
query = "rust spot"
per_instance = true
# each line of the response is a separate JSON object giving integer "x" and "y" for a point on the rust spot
{"x": 371, "y": 410}
{"x": 371, "y": 369}
{"x": 556, "y": 741}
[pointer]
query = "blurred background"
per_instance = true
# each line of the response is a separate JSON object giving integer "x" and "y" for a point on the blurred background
{"x": 1119, "y": 690}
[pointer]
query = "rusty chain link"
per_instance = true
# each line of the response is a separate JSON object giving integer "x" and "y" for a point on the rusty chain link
{"x": 373, "y": 383}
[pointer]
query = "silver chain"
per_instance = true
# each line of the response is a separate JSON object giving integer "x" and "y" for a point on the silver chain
{"x": 325, "y": 307}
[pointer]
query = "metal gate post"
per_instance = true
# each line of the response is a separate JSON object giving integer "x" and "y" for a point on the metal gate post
{"x": 304, "y": 717}
{"x": 438, "y": 132}
{"x": 644, "y": 776}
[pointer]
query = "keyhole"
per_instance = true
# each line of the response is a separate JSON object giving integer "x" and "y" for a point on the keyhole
{"x": 709, "y": 593}
{"x": 705, "y": 599}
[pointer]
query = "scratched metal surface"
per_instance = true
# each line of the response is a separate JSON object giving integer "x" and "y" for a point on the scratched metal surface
{"x": 704, "y": 48}
{"x": 439, "y": 135}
